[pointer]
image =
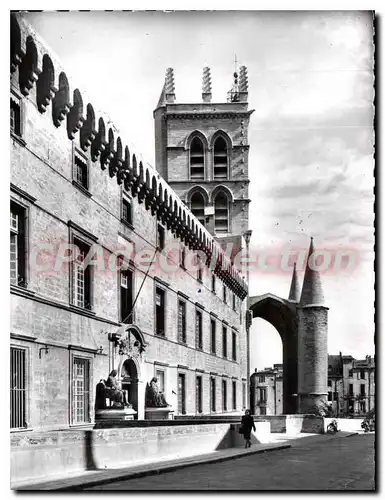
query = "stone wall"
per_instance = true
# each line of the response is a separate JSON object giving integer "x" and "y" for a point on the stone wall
{"x": 42, "y": 456}
{"x": 43, "y": 320}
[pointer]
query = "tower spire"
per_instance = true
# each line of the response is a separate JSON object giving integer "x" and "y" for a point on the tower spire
{"x": 294, "y": 293}
{"x": 206, "y": 85}
{"x": 312, "y": 293}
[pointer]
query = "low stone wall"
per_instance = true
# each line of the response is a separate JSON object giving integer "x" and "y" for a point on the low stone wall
{"x": 261, "y": 435}
{"x": 42, "y": 456}
{"x": 293, "y": 424}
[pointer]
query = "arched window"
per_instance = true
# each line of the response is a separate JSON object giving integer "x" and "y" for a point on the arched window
{"x": 221, "y": 217}
{"x": 197, "y": 159}
{"x": 198, "y": 207}
{"x": 220, "y": 159}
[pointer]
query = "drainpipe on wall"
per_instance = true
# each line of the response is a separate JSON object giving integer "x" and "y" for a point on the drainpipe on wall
{"x": 247, "y": 236}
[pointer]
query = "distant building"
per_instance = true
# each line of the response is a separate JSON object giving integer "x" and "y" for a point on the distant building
{"x": 351, "y": 384}
{"x": 351, "y": 387}
{"x": 266, "y": 388}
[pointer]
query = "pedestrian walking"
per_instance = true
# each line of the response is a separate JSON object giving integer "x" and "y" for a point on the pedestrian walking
{"x": 246, "y": 425}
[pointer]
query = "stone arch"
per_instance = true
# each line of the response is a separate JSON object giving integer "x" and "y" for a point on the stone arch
{"x": 199, "y": 189}
{"x": 16, "y": 51}
{"x": 61, "y": 102}
{"x": 28, "y": 69}
{"x": 221, "y": 148}
{"x": 88, "y": 132}
{"x": 225, "y": 189}
{"x": 281, "y": 314}
{"x": 221, "y": 199}
{"x": 45, "y": 88}
{"x": 225, "y": 136}
{"x": 192, "y": 135}
{"x": 75, "y": 117}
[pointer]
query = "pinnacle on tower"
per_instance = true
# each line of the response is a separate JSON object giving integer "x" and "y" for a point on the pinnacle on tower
{"x": 312, "y": 293}
{"x": 243, "y": 84}
{"x": 294, "y": 294}
{"x": 169, "y": 86}
{"x": 206, "y": 85}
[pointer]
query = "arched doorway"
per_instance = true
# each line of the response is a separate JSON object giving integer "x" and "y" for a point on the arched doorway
{"x": 281, "y": 314}
{"x": 129, "y": 380}
{"x": 266, "y": 381}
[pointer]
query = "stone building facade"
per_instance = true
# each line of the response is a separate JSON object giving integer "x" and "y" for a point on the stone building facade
{"x": 351, "y": 384}
{"x": 77, "y": 192}
{"x": 351, "y": 387}
{"x": 266, "y": 391}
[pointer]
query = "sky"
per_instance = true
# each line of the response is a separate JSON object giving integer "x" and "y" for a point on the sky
{"x": 311, "y": 134}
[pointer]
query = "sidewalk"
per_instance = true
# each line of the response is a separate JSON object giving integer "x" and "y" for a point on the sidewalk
{"x": 105, "y": 476}
{"x": 91, "y": 478}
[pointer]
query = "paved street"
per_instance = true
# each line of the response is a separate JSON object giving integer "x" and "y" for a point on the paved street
{"x": 319, "y": 464}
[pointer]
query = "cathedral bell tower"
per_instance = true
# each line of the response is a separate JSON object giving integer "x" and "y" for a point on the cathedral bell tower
{"x": 202, "y": 151}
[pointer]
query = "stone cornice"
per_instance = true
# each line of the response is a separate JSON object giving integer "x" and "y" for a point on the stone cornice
{"x": 202, "y": 115}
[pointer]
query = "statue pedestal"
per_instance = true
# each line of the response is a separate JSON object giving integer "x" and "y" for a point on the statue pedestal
{"x": 166, "y": 413}
{"x": 115, "y": 415}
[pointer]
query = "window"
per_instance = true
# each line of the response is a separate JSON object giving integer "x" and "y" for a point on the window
{"x": 329, "y": 383}
{"x": 224, "y": 342}
{"x": 224, "y": 294}
{"x": 81, "y": 292}
{"x": 183, "y": 257}
{"x": 197, "y": 206}
{"x": 362, "y": 390}
{"x": 362, "y": 374}
{"x": 262, "y": 410}
{"x": 224, "y": 395}
{"x": 18, "y": 258}
{"x": 197, "y": 161}
{"x": 81, "y": 391}
{"x": 243, "y": 394}
{"x": 18, "y": 375}
{"x": 182, "y": 321}
{"x": 126, "y": 296}
{"x": 213, "y": 283}
{"x": 261, "y": 378}
{"x": 181, "y": 393}
{"x": 262, "y": 394}
{"x": 234, "y": 301}
{"x": 363, "y": 406}
{"x": 199, "y": 270}
{"x": 212, "y": 394}
{"x": 159, "y": 374}
{"x": 335, "y": 397}
{"x": 234, "y": 346}
{"x": 198, "y": 330}
{"x": 198, "y": 394}
{"x": 160, "y": 236}
{"x": 220, "y": 159}
{"x": 234, "y": 395}
{"x": 213, "y": 336}
{"x": 127, "y": 211}
{"x": 15, "y": 115}
{"x": 221, "y": 213}
{"x": 330, "y": 396}
{"x": 159, "y": 312}
{"x": 80, "y": 170}
{"x": 351, "y": 390}
{"x": 351, "y": 373}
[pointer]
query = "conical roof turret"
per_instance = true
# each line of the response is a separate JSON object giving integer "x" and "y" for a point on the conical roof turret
{"x": 294, "y": 293}
{"x": 312, "y": 293}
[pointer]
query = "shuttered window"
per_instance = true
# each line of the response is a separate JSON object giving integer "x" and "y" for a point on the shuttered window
{"x": 81, "y": 391}
{"x": 18, "y": 388}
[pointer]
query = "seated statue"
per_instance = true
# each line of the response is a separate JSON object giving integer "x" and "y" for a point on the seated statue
{"x": 113, "y": 392}
{"x": 154, "y": 396}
